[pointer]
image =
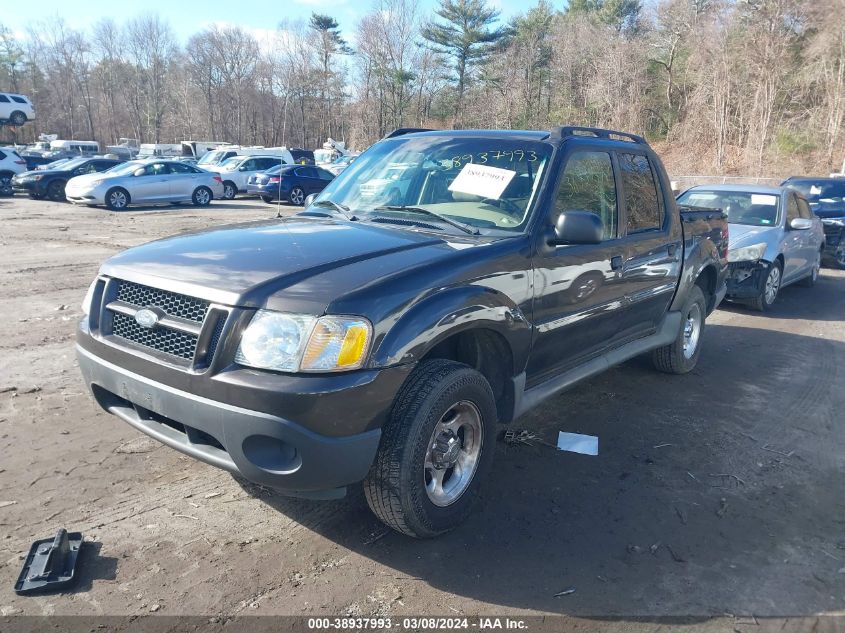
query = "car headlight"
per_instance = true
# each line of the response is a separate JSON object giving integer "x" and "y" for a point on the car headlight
{"x": 294, "y": 342}
{"x": 834, "y": 221}
{"x": 89, "y": 297}
{"x": 747, "y": 253}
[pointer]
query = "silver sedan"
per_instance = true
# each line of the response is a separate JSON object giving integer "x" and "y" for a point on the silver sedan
{"x": 775, "y": 240}
{"x": 148, "y": 182}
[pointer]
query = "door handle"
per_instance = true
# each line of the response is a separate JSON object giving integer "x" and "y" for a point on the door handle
{"x": 616, "y": 262}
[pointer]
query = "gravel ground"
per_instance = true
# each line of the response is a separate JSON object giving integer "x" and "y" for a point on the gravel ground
{"x": 715, "y": 494}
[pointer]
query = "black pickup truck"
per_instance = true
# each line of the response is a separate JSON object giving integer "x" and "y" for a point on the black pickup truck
{"x": 445, "y": 282}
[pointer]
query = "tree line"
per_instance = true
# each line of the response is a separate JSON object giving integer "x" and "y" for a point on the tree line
{"x": 721, "y": 86}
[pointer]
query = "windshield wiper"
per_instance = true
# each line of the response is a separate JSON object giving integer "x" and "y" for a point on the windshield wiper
{"x": 466, "y": 228}
{"x": 344, "y": 210}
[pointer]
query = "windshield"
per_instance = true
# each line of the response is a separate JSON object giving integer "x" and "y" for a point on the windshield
{"x": 741, "y": 207}
{"x": 488, "y": 183}
{"x": 231, "y": 163}
{"x": 820, "y": 192}
{"x": 125, "y": 169}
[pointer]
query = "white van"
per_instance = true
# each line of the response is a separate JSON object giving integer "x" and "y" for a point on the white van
{"x": 197, "y": 149}
{"x": 159, "y": 150}
{"x": 83, "y": 148}
{"x": 218, "y": 155}
{"x": 16, "y": 109}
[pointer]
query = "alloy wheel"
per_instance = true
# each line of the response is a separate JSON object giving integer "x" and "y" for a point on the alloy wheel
{"x": 117, "y": 200}
{"x": 453, "y": 454}
{"x": 772, "y": 285}
{"x": 692, "y": 331}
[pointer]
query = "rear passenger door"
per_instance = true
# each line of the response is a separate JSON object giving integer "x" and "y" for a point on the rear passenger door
{"x": 577, "y": 294}
{"x": 183, "y": 180}
{"x": 652, "y": 256}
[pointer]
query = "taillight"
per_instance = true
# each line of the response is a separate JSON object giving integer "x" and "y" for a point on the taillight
{"x": 274, "y": 179}
{"x": 217, "y": 179}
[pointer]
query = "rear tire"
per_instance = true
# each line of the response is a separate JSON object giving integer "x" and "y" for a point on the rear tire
{"x": 17, "y": 118}
{"x": 268, "y": 199}
{"x": 810, "y": 280}
{"x": 771, "y": 288}
{"x": 201, "y": 197}
{"x": 681, "y": 356}
{"x": 117, "y": 199}
{"x": 435, "y": 450}
{"x": 229, "y": 190}
{"x": 36, "y": 196}
{"x": 6, "y": 184}
{"x": 297, "y": 196}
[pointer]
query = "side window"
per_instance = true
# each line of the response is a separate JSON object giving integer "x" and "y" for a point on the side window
{"x": 792, "y": 208}
{"x": 587, "y": 184}
{"x": 18, "y": 99}
{"x": 2, "y": 156}
{"x": 325, "y": 175}
{"x": 157, "y": 169}
{"x": 641, "y": 201}
{"x": 248, "y": 165}
{"x": 804, "y": 209}
{"x": 4, "y": 99}
{"x": 180, "y": 168}
{"x": 267, "y": 163}
{"x": 306, "y": 172}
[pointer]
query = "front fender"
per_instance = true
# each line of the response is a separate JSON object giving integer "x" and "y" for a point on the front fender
{"x": 448, "y": 312}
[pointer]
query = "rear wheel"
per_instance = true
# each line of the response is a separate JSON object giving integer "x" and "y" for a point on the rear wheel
{"x": 267, "y": 199}
{"x": 435, "y": 450}
{"x": 117, "y": 199}
{"x": 771, "y": 287}
{"x": 229, "y": 190}
{"x": 17, "y": 118}
{"x": 810, "y": 280}
{"x": 56, "y": 191}
{"x": 682, "y": 354}
{"x": 36, "y": 196}
{"x": 201, "y": 197}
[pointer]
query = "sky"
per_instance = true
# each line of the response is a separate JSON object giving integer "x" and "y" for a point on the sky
{"x": 186, "y": 17}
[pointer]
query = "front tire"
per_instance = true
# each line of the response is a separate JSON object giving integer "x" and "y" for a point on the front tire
{"x": 6, "y": 185}
{"x": 202, "y": 197}
{"x": 435, "y": 450}
{"x": 117, "y": 199}
{"x": 771, "y": 287}
{"x": 229, "y": 190}
{"x": 681, "y": 355}
{"x": 297, "y": 196}
{"x": 56, "y": 191}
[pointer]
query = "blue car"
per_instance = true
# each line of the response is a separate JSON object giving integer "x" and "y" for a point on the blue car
{"x": 288, "y": 183}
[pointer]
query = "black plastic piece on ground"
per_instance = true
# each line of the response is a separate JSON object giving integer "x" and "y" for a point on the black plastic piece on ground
{"x": 50, "y": 564}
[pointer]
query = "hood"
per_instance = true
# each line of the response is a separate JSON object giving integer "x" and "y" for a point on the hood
{"x": 246, "y": 264}
{"x": 825, "y": 210}
{"x": 745, "y": 235}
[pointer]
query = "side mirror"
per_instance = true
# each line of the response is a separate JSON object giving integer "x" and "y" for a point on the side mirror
{"x": 308, "y": 200}
{"x": 801, "y": 224}
{"x": 578, "y": 227}
{"x": 139, "y": 172}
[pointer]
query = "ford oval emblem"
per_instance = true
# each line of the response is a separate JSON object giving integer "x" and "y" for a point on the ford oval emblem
{"x": 146, "y": 318}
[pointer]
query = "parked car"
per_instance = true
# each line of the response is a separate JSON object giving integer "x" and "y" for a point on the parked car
{"x": 54, "y": 164}
{"x": 302, "y": 156}
{"x": 356, "y": 342}
{"x": 145, "y": 181}
{"x": 16, "y": 109}
{"x": 50, "y": 183}
{"x": 217, "y": 156}
{"x": 341, "y": 163}
{"x": 827, "y": 200}
{"x": 290, "y": 183}
{"x": 774, "y": 239}
{"x": 11, "y": 164}
{"x": 236, "y": 171}
{"x": 34, "y": 161}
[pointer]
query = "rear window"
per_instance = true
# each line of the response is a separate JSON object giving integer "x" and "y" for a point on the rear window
{"x": 741, "y": 207}
{"x": 18, "y": 99}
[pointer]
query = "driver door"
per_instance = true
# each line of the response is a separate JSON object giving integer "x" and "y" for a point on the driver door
{"x": 577, "y": 291}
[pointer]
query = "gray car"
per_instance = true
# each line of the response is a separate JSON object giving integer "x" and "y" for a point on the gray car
{"x": 775, "y": 240}
{"x": 146, "y": 181}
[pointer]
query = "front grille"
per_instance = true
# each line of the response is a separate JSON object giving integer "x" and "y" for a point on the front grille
{"x": 833, "y": 234}
{"x": 173, "y": 342}
{"x": 170, "y": 303}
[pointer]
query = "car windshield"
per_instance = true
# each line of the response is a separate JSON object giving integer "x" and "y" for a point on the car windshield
{"x": 820, "y": 192}
{"x": 741, "y": 207}
{"x": 488, "y": 183}
{"x": 125, "y": 169}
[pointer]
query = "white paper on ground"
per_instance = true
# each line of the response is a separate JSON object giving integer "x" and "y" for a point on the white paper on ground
{"x": 482, "y": 180}
{"x": 577, "y": 443}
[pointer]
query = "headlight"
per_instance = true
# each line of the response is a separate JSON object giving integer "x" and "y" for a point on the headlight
{"x": 747, "y": 253}
{"x": 89, "y": 297}
{"x": 834, "y": 221}
{"x": 294, "y": 342}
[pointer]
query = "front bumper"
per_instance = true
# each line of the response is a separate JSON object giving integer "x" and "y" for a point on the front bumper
{"x": 276, "y": 447}
{"x": 79, "y": 195}
{"x": 745, "y": 279}
{"x": 26, "y": 186}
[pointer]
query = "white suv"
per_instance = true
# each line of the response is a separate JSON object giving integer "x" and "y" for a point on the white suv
{"x": 235, "y": 171}
{"x": 16, "y": 109}
{"x": 11, "y": 164}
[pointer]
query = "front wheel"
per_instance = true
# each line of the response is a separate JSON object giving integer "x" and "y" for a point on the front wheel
{"x": 6, "y": 185}
{"x": 117, "y": 199}
{"x": 56, "y": 191}
{"x": 771, "y": 287}
{"x": 201, "y": 197}
{"x": 297, "y": 196}
{"x": 681, "y": 355}
{"x": 435, "y": 450}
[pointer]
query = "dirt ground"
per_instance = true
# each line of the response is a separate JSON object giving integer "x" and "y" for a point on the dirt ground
{"x": 715, "y": 494}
